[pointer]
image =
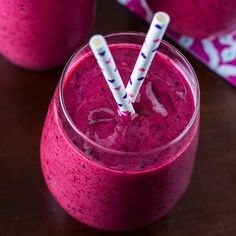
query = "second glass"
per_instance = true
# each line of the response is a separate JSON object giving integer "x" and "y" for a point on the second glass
{"x": 199, "y": 19}
{"x": 43, "y": 34}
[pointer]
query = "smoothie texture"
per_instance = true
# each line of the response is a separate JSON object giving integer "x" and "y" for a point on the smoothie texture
{"x": 163, "y": 109}
{"x": 43, "y": 34}
{"x": 120, "y": 173}
{"x": 199, "y": 19}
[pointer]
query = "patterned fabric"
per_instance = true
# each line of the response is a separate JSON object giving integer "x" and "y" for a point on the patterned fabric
{"x": 218, "y": 53}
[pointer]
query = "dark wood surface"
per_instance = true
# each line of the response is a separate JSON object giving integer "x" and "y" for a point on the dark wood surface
{"x": 26, "y": 206}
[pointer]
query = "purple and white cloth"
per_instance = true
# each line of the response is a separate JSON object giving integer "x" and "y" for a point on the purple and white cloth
{"x": 218, "y": 53}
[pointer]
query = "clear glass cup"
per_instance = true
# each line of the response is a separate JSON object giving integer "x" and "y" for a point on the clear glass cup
{"x": 43, "y": 34}
{"x": 134, "y": 189}
{"x": 199, "y": 19}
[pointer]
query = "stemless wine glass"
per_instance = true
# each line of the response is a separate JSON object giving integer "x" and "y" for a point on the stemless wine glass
{"x": 110, "y": 189}
{"x": 199, "y": 19}
{"x": 43, "y": 34}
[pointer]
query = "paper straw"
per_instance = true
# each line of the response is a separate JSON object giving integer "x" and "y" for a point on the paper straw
{"x": 152, "y": 41}
{"x": 106, "y": 62}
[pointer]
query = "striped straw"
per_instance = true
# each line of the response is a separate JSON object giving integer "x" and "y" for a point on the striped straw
{"x": 106, "y": 62}
{"x": 152, "y": 41}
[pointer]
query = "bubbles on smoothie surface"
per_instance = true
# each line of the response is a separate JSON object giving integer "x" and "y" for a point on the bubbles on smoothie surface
{"x": 163, "y": 107}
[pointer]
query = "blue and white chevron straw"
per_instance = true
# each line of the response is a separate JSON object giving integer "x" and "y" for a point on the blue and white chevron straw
{"x": 152, "y": 41}
{"x": 106, "y": 62}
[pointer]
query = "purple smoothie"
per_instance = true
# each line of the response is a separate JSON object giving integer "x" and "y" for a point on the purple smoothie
{"x": 164, "y": 107}
{"x": 198, "y": 18}
{"x": 119, "y": 173}
{"x": 43, "y": 34}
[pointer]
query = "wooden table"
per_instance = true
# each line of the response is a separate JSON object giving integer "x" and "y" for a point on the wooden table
{"x": 26, "y": 206}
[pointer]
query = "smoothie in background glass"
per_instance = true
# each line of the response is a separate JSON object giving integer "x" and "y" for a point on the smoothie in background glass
{"x": 41, "y": 34}
{"x": 117, "y": 173}
{"x": 199, "y": 19}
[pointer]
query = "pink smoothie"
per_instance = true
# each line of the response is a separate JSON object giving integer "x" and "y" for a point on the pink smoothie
{"x": 199, "y": 18}
{"x": 42, "y": 34}
{"x": 164, "y": 107}
{"x": 126, "y": 178}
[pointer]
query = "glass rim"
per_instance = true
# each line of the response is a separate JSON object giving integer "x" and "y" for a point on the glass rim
{"x": 90, "y": 141}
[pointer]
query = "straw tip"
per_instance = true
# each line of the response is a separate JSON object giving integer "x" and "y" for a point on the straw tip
{"x": 162, "y": 17}
{"x": 96, "y": 41}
